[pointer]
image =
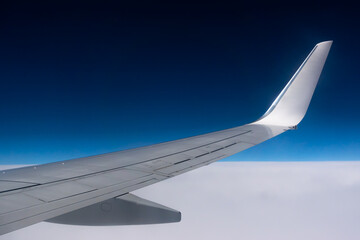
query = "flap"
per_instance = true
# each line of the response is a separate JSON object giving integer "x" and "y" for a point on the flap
{"x": 127, "y": 209}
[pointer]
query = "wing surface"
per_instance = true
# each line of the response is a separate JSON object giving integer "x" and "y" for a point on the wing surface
{"x": 33, "y": 194}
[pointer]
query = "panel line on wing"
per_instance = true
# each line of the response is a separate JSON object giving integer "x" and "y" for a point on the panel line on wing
{"x": 114, "y": 193}
{"x": 128, "y": 165}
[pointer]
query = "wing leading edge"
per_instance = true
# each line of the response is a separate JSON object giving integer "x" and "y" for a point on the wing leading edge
{"x": 33, "y": 194}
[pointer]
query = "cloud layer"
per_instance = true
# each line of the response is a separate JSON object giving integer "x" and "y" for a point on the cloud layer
{"x": 242, "y": 200}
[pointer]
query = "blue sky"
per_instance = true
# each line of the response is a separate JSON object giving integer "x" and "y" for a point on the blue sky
{"x": 88, "y": 78}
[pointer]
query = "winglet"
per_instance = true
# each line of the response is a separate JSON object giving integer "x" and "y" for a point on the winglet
{"x": 290, "y": 106}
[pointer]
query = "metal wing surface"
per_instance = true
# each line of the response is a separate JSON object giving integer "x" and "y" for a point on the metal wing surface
{"x": 53, "y": 191}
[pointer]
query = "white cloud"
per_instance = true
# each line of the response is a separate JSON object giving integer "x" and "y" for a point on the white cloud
{"x": 242, "y": 200}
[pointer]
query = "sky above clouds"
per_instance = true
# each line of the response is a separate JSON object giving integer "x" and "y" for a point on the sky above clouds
{"x": 86, "y": 78}
{"x": 241, "y": 200}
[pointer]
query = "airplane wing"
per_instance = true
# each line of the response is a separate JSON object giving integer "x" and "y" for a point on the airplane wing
{"x": 96, "y": 190}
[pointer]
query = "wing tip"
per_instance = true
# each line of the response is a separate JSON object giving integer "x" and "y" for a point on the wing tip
{"x": 329, "y": 42}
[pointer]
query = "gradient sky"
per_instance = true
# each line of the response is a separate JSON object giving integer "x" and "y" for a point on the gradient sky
{"x": 84, "y": 78}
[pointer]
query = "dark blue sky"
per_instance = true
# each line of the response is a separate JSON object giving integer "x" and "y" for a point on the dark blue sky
{"x": 79, "y": 79}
